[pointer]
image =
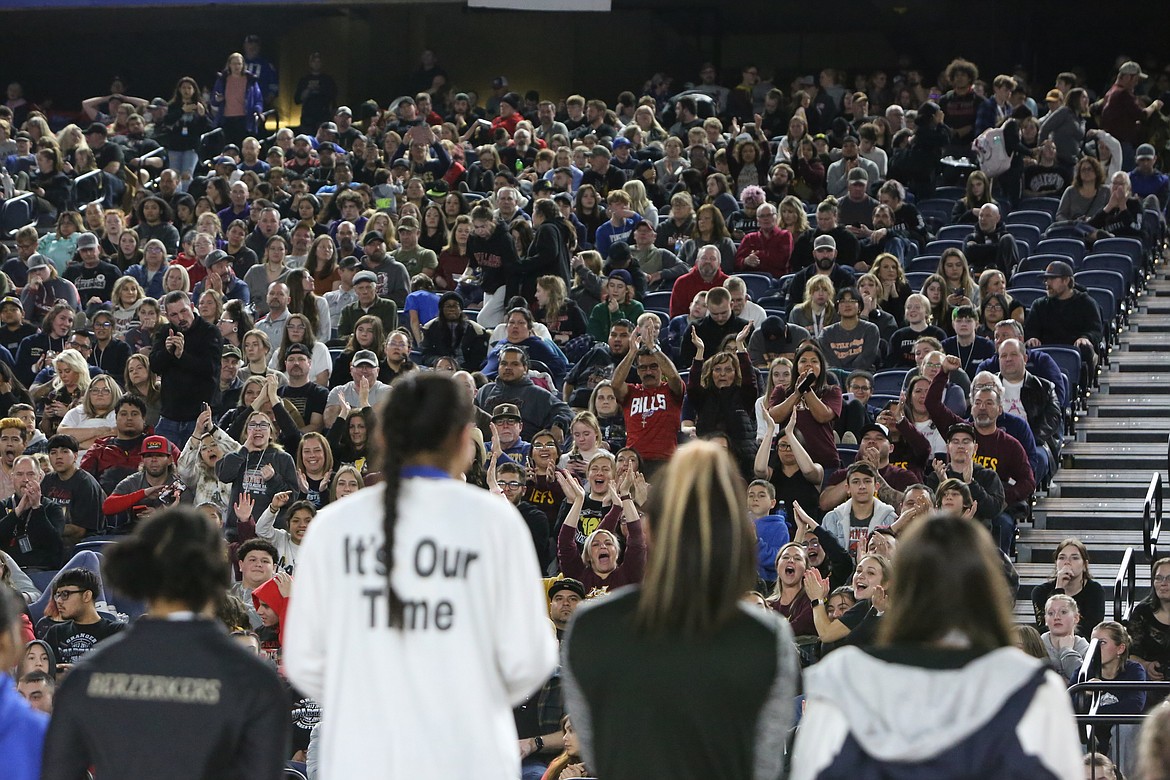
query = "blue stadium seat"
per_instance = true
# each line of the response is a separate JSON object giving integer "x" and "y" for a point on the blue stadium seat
{"x": 657, "y": 300}
{"x": 1029, "y": 279}
{"x": 1048, "y": 205}
{"x": 928, "y": 263}
{"x": 950, "y": 193}
{"x": 889, "y": 382}
{"x": 758, "y": 285}
{"x": 1130, "y": 247}
{"x": 1026, "y": 295}
{"x": 1111, "y": 262}
{"x": 916, "y": 279}
{"x": 1069, "y": 361}
{"x": 938, "y": 247}
{"x": 954, "y": 232}
{"x": 1112, "y": 281}
{"x": 1029, "y": 233}
{"x": 773, "y": 301}
{"x": 1072, "y": 247}
{"x": 1038, "y": 219}
{"x": 1040, "y": 262}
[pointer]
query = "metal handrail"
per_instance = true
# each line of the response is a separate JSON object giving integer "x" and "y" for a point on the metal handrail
{"x": 18, "y": 198}
{"x": 90, "y": 175}
{"x": 14, "y": 231}
{"x": 1152, "y": 517}
{"x": 1125, "y": 585}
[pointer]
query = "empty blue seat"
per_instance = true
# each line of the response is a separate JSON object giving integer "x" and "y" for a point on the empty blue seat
{"x": 928, "y": 263}
{"x": 1071, "y": 247}
{"x": 657, "y": 300}
{"x": 1026, "y": 295}
{"x": 1040, "y": 262}
{"x": 950, "y": 193}
{"x": 954, "y": 232}
{"x": 1112, "y": 281}
{"x": 1048, "y": 205}
{"x": 916, "y": 279}
{"x": 1033, "y": 280}
{"x": 889, "y": 382}
{"x": 937, "y": 247}
{"x": 758, "y": 285}
{"x": 1038, "y": 219}
{"x": 1026, "y": 232}
{"x": 1110, "y": 262}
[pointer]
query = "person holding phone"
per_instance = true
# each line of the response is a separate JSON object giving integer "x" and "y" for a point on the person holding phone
{"x": 187, "y": 357}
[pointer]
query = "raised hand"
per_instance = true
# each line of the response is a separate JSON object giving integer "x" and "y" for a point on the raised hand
{"x": 284, "y": 582}
{"x": 281, "y": 498}
{"x": 951, "y": 363}
{"x": 244, "y": 506}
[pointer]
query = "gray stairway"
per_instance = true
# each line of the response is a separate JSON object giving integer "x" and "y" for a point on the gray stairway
{"x": 1098, "y": 495}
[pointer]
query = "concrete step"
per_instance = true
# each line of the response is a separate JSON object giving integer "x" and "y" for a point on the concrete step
{"x": 1135, "y": 384}
{"x": 1106, "y": 548}
{"x": 1135, "y": 363}
{"x": 1143, "y": 456}
{"x": 1111, "y": 429}
{"x": 1101, "y": 484}
{"x": 1121, "y": 405}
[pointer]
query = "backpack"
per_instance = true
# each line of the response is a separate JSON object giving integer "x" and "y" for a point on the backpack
{"x": 991, "y": 151}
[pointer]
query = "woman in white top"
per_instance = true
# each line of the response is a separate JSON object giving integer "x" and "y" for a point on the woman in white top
{"x": 299, "y": 330}
{"x": 94, "y": 417}
{"x": 430, "y": 586}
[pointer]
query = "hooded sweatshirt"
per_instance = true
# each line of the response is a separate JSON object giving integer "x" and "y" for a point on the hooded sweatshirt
{"x": 933, "y": 714}
{"x": 269, "y": 593}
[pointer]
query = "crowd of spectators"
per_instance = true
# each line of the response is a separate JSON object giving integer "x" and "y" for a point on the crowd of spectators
{"x": 201, "y": 310}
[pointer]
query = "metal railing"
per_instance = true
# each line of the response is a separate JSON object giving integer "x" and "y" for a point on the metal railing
{"x": 90, "y": 175}
{"x": 1152, "y": 517}
{"x": 1125, "y": 586}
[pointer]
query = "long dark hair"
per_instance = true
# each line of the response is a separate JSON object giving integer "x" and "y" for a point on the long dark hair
{"x": 948, "y": 554}
{"x": 423, "y": 413}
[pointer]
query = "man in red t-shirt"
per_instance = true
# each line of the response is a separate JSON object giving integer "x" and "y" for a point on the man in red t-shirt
{"x": 653, "y": 409}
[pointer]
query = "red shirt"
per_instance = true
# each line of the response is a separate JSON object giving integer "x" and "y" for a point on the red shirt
{"x": 653, "y": 418}
{"x": 687, "y": 285}
{"x": 773, "y": 249}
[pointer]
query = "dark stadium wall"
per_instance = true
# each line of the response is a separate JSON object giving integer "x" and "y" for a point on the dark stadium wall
{"x": 371, "y": 48}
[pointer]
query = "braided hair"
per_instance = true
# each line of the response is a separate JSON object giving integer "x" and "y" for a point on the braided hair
{"x": 423, "y": 413}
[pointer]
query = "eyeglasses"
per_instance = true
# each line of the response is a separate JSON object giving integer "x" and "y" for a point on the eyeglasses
{"x": 295, "y": 326}
{"x": 63, "y": 595}
{"x": 95, "y": 389}
{"x": 1162, "y": 579}
{"x": 511, "y": 484}
{"x": 932, "y": 365}
{"x": 103, "y": 325}
{"x": 258, "y": 425}
{"x": 546, "y": 446}
{"x": 77, "y": 345}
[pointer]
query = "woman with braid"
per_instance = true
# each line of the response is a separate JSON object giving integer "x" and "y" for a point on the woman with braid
{"x": 417, "y": 620}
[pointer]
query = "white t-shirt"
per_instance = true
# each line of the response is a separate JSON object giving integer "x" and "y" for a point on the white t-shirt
{"x": 433, "y": 699}
{"x": 77, "y": 418}
{"x": 1012, "y": 404}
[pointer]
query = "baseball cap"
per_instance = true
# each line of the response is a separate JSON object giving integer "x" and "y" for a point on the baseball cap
{"x": 1131, "y": 68}
{"x": 825, "y": 241}
{"x": 155, "y": 445}
{"x": 158, "y": 103}
{"x": 305, "y": 138}
{"x": 568, "y": 583}
{"x": 365, "y": 276}
{"x": 373, "y": 235}
{"x": 343, "y": 111}
{"x": 883, "y": 430}
{"x": 622, "y": 274}
{"x": 858, "y": 174}
{"x": 961, "y": 427}
{"x": 349, "y": 261}
{"x": 223, "y": 160}
{"x": 542, "y": 185}
{"x": 37, "y": 260}
{"x": 298, "y": 349}
{"x": 774, "y": 330}
{"x": 1145, "y": 151}
{"x": 847, "y": 293}
{"x": 1057, "y": 269}
{"x": 1055, "y": 95}
{"x": 621, "y": 140}
{"x": 506, "y": 412}
{"x": 98, "y": 128}
{"x": 499, "y": 82}
{"x": 231, "y": 351}
{"x": 9, "y": 300}
{"x": 328, "y": 127}
{"x": 87, "y": 241}
{"x": 364, "y": 357}
{"x": 215, "y": 256}
{"x": 619, "y": 253}
{"x": 408, "y": 223}
{"x": 511, "y": 99}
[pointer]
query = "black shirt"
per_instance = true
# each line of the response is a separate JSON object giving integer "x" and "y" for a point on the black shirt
{"x": 80, "y": 497}
{"x": 93, "y": 282}
{"x": 71, "y": 640}
{"x": 309, "y": 398}
{"x": 190, "y": 380}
